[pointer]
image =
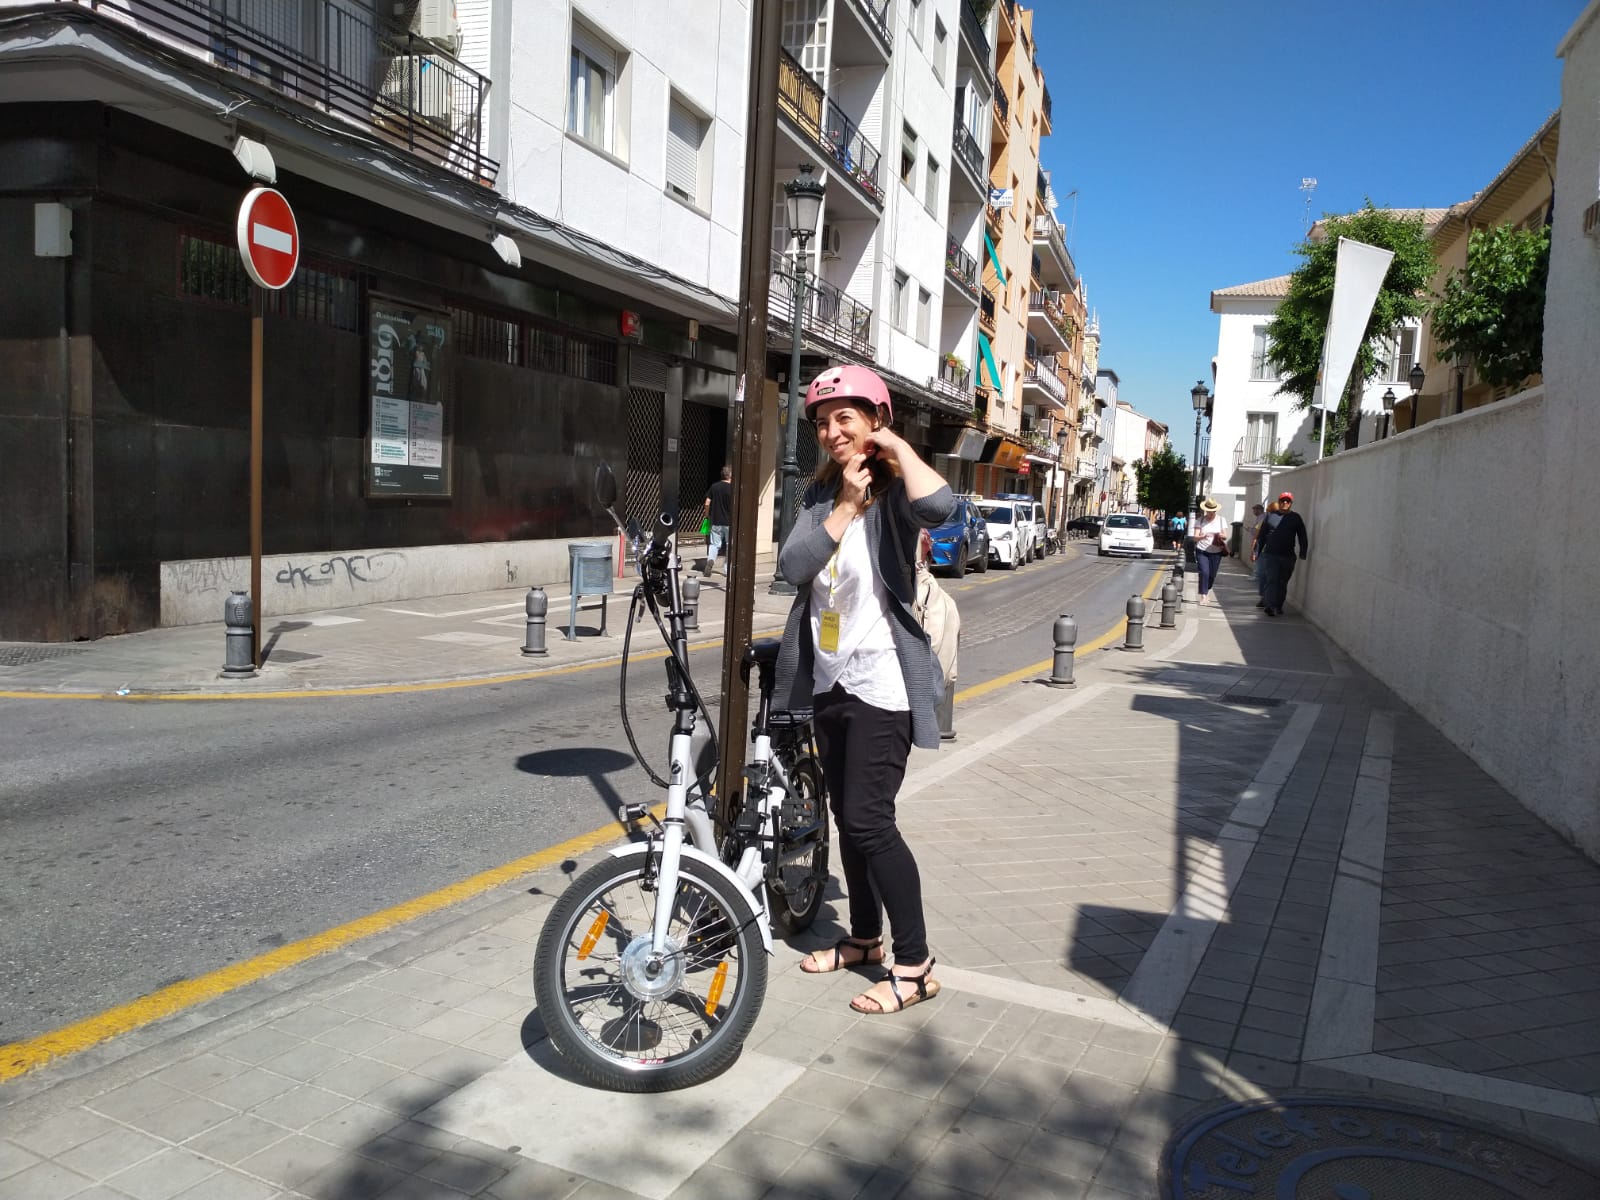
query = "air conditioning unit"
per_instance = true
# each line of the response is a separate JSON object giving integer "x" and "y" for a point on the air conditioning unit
{"x": 436, "y": 20}
{"x": 420, "y": 83}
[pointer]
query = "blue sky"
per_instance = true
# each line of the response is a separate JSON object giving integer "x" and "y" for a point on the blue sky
{"x": 1187, "y": 125}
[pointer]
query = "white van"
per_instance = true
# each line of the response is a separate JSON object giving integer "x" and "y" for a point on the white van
{"x": 1011, "y": 530}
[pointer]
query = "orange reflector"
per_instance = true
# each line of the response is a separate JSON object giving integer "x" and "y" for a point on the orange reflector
{"x": 593, "y": 935}
{"x": 718, "y": 982}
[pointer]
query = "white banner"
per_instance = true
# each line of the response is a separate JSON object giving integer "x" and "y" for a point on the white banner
{"x": 1357, "y": 278}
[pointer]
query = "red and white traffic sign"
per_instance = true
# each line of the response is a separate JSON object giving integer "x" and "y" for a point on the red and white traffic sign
{"x": 269, "y": 239}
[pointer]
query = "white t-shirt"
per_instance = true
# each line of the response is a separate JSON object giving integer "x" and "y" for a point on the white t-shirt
{"x": 1212, "y": 534}
{"x": 865, "y": 664}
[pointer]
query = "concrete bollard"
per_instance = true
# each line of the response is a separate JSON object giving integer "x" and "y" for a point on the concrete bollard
{"x": 1065, "y": 635}
{"x": 1135, "y": 638}
{"x": 946, "y": 712}
{"x": 538, "y": 608}
{"x": 237, "y": 660}
{"x": 691, "y": 604}
{"x": 1169, "y": 606}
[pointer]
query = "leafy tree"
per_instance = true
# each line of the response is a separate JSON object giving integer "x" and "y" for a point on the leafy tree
{"x": 1163, "y": 481}
{"x": 1494, "y": 310}
{"x": 1297, "y": 328}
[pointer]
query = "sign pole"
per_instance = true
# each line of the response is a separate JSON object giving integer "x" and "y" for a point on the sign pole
{"x": 255, "y": 475}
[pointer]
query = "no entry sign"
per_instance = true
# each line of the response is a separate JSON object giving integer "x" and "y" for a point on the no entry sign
{"x": 269, "y": 240}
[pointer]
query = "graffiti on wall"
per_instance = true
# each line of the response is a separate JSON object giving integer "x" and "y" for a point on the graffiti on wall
{"x": 352, "y": 569}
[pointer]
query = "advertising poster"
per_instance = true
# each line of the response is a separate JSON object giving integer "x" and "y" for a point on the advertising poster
{"x": 409, "y": 377}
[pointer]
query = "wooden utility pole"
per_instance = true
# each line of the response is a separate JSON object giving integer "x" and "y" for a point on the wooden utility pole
{"x": 749, "y": 436}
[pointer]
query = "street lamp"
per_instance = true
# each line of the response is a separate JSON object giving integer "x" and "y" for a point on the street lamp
{"x": 1063, "y": 489}
{"x": 1417, "y": 377}
{"x": 1388, "y": 409}
{"x": 1200, "y": 396}
{"x": 802, "y": 202}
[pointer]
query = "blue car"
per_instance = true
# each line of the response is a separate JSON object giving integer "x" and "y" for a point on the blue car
{"x": 961, "y": 541}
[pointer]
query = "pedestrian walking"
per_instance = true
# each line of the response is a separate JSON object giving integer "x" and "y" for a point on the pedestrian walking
{"x": 853, "y": 652}
{"x": 1278, "y": 551}
{"x": 1179, "y": 523}
{"x": 1210, "y": 544}
{"x": 719, "y": 512}
{"x": 1269, "y": 519}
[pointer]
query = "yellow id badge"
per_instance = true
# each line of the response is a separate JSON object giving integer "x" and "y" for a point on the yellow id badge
{"x": 828, "y": 635}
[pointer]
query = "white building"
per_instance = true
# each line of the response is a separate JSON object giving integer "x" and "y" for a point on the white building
{"x": 1254, "y": 429}
{"x": 1107, "y": 466}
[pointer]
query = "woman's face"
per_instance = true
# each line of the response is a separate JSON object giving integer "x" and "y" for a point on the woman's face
{"x": 842, "y": 429}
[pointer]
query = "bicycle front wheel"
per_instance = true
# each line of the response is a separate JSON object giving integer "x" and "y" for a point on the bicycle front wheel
{"x": 628, "y": 1019}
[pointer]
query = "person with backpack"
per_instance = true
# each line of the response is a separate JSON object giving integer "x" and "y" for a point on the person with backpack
{"x": 854, "y": 654}
{"x": 936, "y": 612}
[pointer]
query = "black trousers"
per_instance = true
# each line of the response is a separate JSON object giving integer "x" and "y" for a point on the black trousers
{"x": 864, "y": 752}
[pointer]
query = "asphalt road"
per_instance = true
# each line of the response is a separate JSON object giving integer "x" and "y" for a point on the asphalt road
{"x": 144, "y": 844}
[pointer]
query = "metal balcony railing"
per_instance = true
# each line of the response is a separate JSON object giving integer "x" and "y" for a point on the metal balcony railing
{"x": 1044, "y": 105}
{"x": 961, "y": 268}
{"x": 1043, "y": 186}
{"x": 953, "y": 383}
{"x": 966, "y": 149}
{"x": 348, "y": 63}
{"x": 972, "y": 30}
{"x": 804, "y": 102}
{"x": 1002, "y": 103}
{"x": 829, "y": 315}
{"x": 1040, "y": 376}
{"x": 986, "y": 312}
{"x": 1049, "y": 229}
{"x": 1253, "y": 450}
{"x": 876, "y": 13}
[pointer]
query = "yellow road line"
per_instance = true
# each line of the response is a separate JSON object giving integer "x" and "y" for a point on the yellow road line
{"x": 382, "y": 689}
{"x": 18, "y": 1058}
{"x": 1030, "y": 672}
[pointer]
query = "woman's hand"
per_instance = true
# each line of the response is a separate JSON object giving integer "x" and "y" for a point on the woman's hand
{"x": 888, "y": 444}
{"x": 853, "y": 485}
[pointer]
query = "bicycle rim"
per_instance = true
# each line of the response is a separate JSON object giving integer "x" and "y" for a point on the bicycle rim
{"x": 629, "y": 1029}
{"x": 797, "y": 891}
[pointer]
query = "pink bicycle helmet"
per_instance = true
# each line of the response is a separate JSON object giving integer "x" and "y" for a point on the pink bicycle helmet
{"x": 848, "y": 382}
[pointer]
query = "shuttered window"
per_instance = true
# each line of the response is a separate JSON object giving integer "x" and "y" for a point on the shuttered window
{"x": 686, "y": 135}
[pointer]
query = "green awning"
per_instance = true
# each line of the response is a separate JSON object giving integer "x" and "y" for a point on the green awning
{"x": 994, "y": 258}
{"x": 986, "y": 356}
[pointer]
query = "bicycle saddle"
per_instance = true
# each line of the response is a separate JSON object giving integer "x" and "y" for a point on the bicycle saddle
{"x": 764, "y": 653}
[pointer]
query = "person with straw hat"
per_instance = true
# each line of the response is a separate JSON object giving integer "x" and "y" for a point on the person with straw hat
{"x": 1210, "y": 543}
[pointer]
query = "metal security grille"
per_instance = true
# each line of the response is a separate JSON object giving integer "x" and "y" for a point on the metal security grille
{"x": 210, "y": 269}
{"x": 696, "y": 469}
{"x": 641, "y": 490}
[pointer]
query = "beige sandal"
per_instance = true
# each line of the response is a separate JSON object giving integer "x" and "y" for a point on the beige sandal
{"x": 822, "y": 962}
{"x": 927, "y": 989}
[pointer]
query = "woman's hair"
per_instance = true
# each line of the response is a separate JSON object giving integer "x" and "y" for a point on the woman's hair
{"x": 883, "y": 470}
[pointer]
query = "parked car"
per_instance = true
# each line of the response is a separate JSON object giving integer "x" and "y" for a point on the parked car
{"x": 1010, "y": 532}
{"x": 1030, "y": 522}
{"x": 962, "y": 541}
{"x": 1127, "y": 533}
{"x": 1087, "y": 525}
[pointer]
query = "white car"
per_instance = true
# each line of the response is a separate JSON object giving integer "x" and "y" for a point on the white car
{"x": 1127, "y": 533}
{"x": 1010, "y": 530}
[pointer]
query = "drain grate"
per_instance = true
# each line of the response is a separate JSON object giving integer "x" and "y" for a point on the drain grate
{"x": 1337, "y": 1148}
{"x": 21, "y": 656}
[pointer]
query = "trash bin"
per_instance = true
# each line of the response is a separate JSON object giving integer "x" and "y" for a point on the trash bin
{"x": 589, "y": 572}
{"x": 1236, "y": 538}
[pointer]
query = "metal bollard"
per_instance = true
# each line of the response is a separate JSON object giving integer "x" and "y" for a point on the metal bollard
{"x": 1065, "y": 635}
{"x": 691, "y": 604}
{"x": 538, "y": 607}
{"x": 237, "y": 660}
{"x": 946, "y": 712}
{"x": 1169, "y": 606}
{"x": 1135, "y": 638}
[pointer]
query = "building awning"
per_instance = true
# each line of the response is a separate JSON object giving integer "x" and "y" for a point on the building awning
{"x": 986, "y": 355}
{"x": 999, "y": 271}
{"x": 1009, "y": 455}
{"x": 967, "y": 444}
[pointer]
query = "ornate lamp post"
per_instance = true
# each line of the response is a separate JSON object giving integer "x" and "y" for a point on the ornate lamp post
{"x": 1200, "y": 396}
{"x": 1416, "y": 378}
{"x": 802, "y": 201}
{"x": 1388, "y": 409}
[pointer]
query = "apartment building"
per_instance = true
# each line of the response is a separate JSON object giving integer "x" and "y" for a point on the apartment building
{"x": 1108, "y": 467}
{"x": 1082, "y": 451}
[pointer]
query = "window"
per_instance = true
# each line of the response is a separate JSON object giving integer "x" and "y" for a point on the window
{"x": 932, "y": 186}
{"x": 591, "y": 98}
{"x": 924, "y": 315}
{"x": 1260, "y": 437}
{"x": 1261, "y": 356}
{"x": 686, "y": 135}
{"x": 1396, "y": 353}
{"x": 908, "y": 156}
{"x": 902, "y": 285}
{"x": 940, "y": 39}
{"x": 914, "y": 20}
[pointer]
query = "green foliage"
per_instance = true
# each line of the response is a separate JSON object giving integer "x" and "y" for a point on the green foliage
{"x": 1494, "y": 310}
{"x": 1296, "y": 330}
{"x": 1163, "y": 481}
{"x": 1285, "y": 458}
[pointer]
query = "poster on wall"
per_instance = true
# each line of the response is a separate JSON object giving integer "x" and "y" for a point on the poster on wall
{"x": 409, "y": 377}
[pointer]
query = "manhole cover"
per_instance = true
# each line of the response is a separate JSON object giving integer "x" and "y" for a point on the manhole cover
{"x": 1338, "y": 1148}
{"x": 21, "y": 656}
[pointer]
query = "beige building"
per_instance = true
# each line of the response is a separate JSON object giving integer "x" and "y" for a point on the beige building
{"x": 1521, "y": 195}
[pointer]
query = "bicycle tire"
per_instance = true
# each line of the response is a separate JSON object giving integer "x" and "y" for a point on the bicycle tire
{"x": 618, "y": 1035}
{"x": 794, "y": 906}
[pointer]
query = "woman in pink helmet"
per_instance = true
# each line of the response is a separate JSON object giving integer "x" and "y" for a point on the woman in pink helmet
{"x": 853, "y": 652}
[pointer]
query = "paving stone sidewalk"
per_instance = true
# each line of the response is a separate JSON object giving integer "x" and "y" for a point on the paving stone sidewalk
{"x": 1232, "y": 866}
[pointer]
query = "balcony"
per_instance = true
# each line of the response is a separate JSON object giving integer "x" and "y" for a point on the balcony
{"x": 1254, "y": 451}
{"x": 953, "y": 383}
{"x": 961, "y": 269}
{"x": 972, "y": 34}
{"x": 349, "y": 64}
{"x": 1002, "y": 109}
{"x": 1043, "y": 186}
{"x": 1042, "y": 382}
{"x": 1059, "y": 269}
{"x": 823, "y": 123}
{"x": 1044, "y": 108}
{"x": 966, "y": 152}
{"x": 986, "y": 312}
{"x": 1047, "y": 322}
{"x": 873, "y": 16}
{"x": 1086, "y": 468}
{"x": 830, "y": 316}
